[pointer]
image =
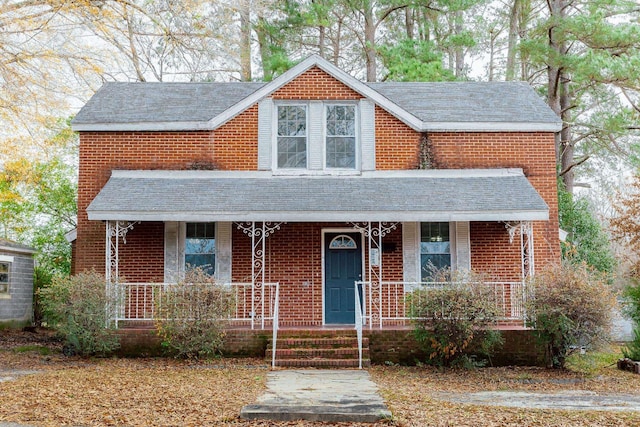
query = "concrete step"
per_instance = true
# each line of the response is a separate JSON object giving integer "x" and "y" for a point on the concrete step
{"x": 330, "y": 396}
{"x": 321, "y": 363}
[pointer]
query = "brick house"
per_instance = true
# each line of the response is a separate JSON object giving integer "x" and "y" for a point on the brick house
{"x": 311, "y": 183}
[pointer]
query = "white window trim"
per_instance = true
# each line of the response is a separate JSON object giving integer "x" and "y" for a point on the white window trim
{"x": 182, "y": 248}
{"x": 452, "y": 246}
{"x": 325, "y": 170}
{"x": 5, "y": 259}
{"x": 358, "y": 165}
{"x": 274, "y": 141}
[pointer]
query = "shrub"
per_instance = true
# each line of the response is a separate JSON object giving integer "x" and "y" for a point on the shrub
{"x": 451, "y": 320}
{"x": 76, "y": 306}
{"x": 570, "y": 307}
{"x": 632, "y": 303}
{"x": 42, "y": 278}
{"x": 632, "y": 309}
{"x": 632, "y": 349}
{"x": 192, "y": 315}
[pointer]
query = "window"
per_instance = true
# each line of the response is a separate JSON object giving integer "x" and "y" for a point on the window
{"x": 435, "y": 248}
{"x": 343, "y": 242}
{"x": 292, "y": 136}
{"x": 341, "y": 136}
{"x": 4, "y": 277}
{"x": 200, "y": 246}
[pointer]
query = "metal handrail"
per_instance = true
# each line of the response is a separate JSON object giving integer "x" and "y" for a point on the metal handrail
{"x": 358, "y": 320}
{"x": 276, "y": 315}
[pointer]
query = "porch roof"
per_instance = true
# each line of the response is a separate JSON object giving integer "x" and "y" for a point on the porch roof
{"x": 419, "y": 195}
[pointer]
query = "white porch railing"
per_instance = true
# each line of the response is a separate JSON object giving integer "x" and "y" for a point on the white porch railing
{"x": 388, "y": 303}
{"x": 254, "y": 306}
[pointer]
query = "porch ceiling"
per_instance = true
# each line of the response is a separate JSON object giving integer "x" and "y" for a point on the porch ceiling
{"x": 433, "y": 195}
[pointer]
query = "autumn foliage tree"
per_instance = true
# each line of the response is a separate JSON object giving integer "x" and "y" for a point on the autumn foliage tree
{"x": 625, "y": 225}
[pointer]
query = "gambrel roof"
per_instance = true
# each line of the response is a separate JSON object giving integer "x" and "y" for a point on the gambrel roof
{"x": 417, "y": 195}
{"x": 461, "y": 106}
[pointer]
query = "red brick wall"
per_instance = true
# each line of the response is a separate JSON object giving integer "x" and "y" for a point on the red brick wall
{"x": 533, "y": 152}
{"x": 102, "y": 152}
{"x": 235, "y": 144}
{"x": 315, "y": 84}
{"x": 396, "y": 143}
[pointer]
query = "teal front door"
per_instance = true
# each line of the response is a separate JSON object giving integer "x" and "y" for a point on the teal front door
{"x": 342, "y": 268}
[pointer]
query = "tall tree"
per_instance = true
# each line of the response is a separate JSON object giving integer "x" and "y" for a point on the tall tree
{"x": 38, "y": 198}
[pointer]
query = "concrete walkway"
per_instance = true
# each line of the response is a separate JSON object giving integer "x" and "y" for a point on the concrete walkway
{"x": 319, "y": 395}
{"x": 568, "y": 400}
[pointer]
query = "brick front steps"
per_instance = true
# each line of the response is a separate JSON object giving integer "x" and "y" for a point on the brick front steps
{"x": 319, "y": 349}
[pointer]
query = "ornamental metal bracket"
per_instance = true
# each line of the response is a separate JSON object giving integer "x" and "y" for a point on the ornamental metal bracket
{"x": 250, "y": 230}
{"x": 525, "y": 230}
{"x": 120, "y": 229}
{"x": 382, "y": 230}
{"x": 522, "y": 228}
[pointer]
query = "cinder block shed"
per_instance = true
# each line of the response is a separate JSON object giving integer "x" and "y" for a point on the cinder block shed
{"x": 16, "y": 282}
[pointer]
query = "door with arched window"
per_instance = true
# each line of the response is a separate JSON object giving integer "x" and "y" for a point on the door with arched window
{"x": 342, "y": 268}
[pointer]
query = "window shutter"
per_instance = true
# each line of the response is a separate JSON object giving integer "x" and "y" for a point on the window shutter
{"x": 368, "y": 134}
{"x": 410, "y": 248}
{"x": 223, "y": 251}
{"x": 463, "y": 246}
{"x": 316, "y": 135}
{"x": 171, "y": 256}
{"x": 265, "y": 133}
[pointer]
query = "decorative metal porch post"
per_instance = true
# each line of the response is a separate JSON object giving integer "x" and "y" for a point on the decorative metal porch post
{"x": 525, "y": 230}
{"x": 114, "y": 230}
{"x": 527, "y": 259}
{"x": 374, "y": 234}
{"x": 258, "y": 236}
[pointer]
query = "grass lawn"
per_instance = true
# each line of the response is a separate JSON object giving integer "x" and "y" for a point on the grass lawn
{"x": 165, "y": 392}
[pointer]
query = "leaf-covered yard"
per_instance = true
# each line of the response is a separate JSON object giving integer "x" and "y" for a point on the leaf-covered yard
{"x": 166, "y": 392}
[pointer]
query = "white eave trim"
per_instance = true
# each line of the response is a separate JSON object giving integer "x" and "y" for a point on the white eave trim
{"x": 224, "y": 117}
{"x": 413, "y": 173}
{"x": 17, "y": 250}
{"x": 71, "y": 236}
{"x": 321, "y": 216}
{"x": 490, "y": 127}
{"x": 140, "y": 127}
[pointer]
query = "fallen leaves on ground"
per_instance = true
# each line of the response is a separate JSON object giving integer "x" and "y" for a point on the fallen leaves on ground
{"x": 411, "y": 394}
{"x": 167, "y": 392}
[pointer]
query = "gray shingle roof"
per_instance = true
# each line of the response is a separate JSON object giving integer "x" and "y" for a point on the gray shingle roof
{"x": 469, "y": 101}
{"x": 162, "y": 102}
{"x": 232, "y": 196}
{"x": 457, "y": 106}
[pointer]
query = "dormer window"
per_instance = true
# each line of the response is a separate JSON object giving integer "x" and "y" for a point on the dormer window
{"x": 341, "y": 136}
{"x": 292, "y": 136}
{"x": 316, "y": 137}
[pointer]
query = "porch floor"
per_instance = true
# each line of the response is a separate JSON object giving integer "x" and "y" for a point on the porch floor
{"x": 319, "y": 328}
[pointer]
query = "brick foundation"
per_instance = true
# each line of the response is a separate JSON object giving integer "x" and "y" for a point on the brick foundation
{"x": 385, "y": 346}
